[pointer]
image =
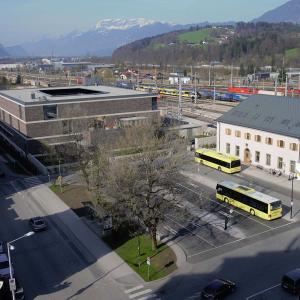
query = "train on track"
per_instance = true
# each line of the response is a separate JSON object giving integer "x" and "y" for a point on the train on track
{"x": 232, "y": 94}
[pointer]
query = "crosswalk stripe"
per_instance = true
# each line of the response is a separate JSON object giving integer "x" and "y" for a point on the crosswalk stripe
{"x": 148, "y": 297}
{"x": 140, "y": 293}
{"x": 134, "y": 289}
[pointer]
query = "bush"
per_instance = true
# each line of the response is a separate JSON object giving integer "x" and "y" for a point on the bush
{"x": 53, "y": 182}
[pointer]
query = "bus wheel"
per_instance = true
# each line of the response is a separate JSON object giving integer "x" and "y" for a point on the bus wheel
{"x": 252, "y": 212}
{"x": 219, "y": 168}
{"x": 226, "y": 200}
{"x": 201, "y": 162}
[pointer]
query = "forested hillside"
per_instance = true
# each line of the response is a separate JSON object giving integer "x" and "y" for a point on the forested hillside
{"x": 260, "y": 44}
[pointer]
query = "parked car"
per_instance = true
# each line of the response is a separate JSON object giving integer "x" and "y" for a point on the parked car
{"x": 2, "y": 174}
{"x": 218, "y": 289}
{"x": 1, "y": 247}
{"x": 291, "y": 281}
{"x": 4, "y": 265}
{"x": 211, "y": 125}
{"x": 191, "y": 143}
{"x": 37, "y": 224}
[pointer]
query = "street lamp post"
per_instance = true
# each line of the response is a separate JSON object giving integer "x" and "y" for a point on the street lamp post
{"x": 9, "y": 246}
{"x": 292, "y": 176}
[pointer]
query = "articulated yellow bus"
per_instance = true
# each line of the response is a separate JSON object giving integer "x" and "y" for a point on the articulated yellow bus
{"x": 214, "y": 159}
{"x": 258, "y": 204}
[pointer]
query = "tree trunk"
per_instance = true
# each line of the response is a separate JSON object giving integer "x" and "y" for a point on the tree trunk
{"x": 154, "y": 242}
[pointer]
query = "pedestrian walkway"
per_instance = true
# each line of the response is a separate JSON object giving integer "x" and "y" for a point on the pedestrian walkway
{"x": 140, "y": 293}
{"x": 33, "y": 181}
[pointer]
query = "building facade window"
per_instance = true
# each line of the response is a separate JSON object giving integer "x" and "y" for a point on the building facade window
{"x": 237, "y": 133}
{"x": 0, "y": 114}
{"x": 19, "y": 125}
{"x": 268, "y": 160}
{"x": 280, "y": 162}
{"x": 293, "y": 147}
{"x": 269, "y": 141}
{"x": 237, "y": 150}
{"x": 293, "y": 166}
{"x": 228, "y": 148}
{"x": 257, "y": 156}
{"x": 258, "y": 138}
{"x": 228, "y": 131}
{"x": 3, "y": 115}
{"x": 280, "y": 143}
{"x": 20, "y": 111}
{"x": 67, "y": 126}
{"x": 10, "y": 120}
{"x": 247, "y": 136}
{"x": 50, "y": 112}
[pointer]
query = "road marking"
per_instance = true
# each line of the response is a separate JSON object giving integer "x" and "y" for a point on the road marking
{"x": 224, "y": 214}
{"x": 195, "y": 224}
{"x": 33, "y": 181}
{"x": 140, "y": 293}
{"x": 263, "y": 291}
{"x": 148, "y": 297}
{"x": 239, "y": 175}
{"x": 192, "y": 184}
{"x": 225, "y": 206}
{"x": 171, "y": 230}
{"x": 12, "y": 183}
{"x": 191, "y": 232}
{"x": 134, "y": 289}
{"x": 248, "y": 237}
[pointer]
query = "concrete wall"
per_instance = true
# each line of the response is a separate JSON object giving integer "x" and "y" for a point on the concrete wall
{"x": 253, "y": 146}
{"x": 199, "y": 142}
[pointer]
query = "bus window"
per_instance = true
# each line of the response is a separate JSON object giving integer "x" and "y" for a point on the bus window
{"x": 276, "y": 205}
{"x": 235, "y": 163}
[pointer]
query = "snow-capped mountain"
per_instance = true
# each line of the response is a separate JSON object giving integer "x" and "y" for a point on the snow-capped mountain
{"x": 102, "y": 40}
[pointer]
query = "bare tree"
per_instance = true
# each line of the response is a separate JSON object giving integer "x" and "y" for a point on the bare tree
{"x": 143, "y": 183}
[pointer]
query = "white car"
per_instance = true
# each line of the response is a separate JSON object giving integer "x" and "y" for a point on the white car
{"x": 4, "y": 265}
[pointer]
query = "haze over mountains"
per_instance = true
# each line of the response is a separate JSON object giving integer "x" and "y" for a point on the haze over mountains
{"x": 103, "y": 39}
{"x": 12, "y": 51}
{"x": 288, "y": 12}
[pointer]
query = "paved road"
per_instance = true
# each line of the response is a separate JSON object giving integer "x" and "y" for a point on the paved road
{"x": 52, "y": 264}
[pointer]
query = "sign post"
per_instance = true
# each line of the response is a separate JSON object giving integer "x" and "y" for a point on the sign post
{"x": 231, "y": 211}
{"x": 148, "y": 263}
{"x": 12, "y": 284}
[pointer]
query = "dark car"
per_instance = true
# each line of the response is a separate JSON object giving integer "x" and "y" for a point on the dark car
{"x": 2, "y": 174}
{"x": 291, "y": 281}
{"x": 218, "y": 289}
{"x": 211, "y": 125}
{"x": 37, "y": 224}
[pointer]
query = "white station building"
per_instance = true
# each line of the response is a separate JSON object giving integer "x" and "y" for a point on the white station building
{"x": 263, "y": 131}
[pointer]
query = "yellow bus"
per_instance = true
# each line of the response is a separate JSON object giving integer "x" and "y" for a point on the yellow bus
{"x": 220, "y": 161}
{"x": 246, "y": 198}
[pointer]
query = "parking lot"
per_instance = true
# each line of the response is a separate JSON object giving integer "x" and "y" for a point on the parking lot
{"x": 199, "y": 227}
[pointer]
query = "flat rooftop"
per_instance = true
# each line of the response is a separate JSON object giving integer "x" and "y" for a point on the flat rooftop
{"x": 70, "y": 94}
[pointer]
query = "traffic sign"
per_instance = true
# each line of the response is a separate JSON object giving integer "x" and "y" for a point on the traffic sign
{"x": 59, "y": 178}
{"x": 231, "y": 209}
{"x": 12, "y": 284}
{"x": 148, "y": 258}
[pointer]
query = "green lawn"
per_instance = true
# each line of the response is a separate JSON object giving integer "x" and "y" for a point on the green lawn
{"x": 199, "y": 35}
{"x": 292, "y": 52}
{"x": 158, "y": 46}
{"x": 163, "y": 260}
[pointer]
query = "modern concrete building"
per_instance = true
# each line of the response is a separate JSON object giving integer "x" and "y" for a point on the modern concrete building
{"x": 263, "y": 131}
{"x": 51, "y": 115}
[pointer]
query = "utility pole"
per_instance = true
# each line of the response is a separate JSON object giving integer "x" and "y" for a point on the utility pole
{"x": 155, "y": 79}
{"x": 196, "y": 88}
{"x": 276, "y": 86}
{"x": 231, "y": 79}
{"x": 180, "y": 102}
{"x": 214, "y": 89}
{"x": 286, "y": 86}
{"x": 209, "y": 76}
{"x": 191, "y": 77}
{"x": 282, "y": 68}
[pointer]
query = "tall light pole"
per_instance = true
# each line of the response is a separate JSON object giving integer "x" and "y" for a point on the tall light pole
{"x": 9, "y": 246}
{"x": 292, "y": 176}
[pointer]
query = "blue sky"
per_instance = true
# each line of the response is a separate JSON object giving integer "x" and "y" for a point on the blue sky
{"x": 23, "y": 19}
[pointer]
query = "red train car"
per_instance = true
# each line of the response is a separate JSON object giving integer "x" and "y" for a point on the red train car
{"x": 242, "y": 90}
{"x": 79, "y": 80}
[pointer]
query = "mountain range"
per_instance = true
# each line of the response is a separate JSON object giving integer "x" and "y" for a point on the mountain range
{"x": 103, "y": 39}
{"x": 288, "y": 12}
{"x": 12, "y": 51}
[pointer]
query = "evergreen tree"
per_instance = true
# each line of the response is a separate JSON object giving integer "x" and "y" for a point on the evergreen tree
{"x": 19, "y": 79}
{"x": 4, "y": 80}
{"x": 242, "y": 70}
{"x": 250, "y": 69}
{"x": 282, "y": 74}
{"x": 257, "y": 69}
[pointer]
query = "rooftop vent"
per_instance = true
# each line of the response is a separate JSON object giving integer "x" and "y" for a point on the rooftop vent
{"x": 32, "y": 95}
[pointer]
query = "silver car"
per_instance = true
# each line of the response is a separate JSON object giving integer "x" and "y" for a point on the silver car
{"x": 37, "y": 224}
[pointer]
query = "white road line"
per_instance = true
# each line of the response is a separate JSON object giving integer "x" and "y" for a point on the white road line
{"x": 134, "y": 289}
{"x": 263, "y": 291}
{"x": 171, "y": 230}
{"x": 248, "y": 237}
{"x": 148, "y": 297}
{"x": 195, "y": 224}
{"x": 140, "y": 293}
{"x": 225, "y": 206}
{"x": 12, "y": 183}
{"x": 191, "y": 232}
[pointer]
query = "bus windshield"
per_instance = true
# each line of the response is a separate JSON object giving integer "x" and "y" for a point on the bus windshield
{"x": 275, "y": 205}
{"x": 235, "y": 163}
